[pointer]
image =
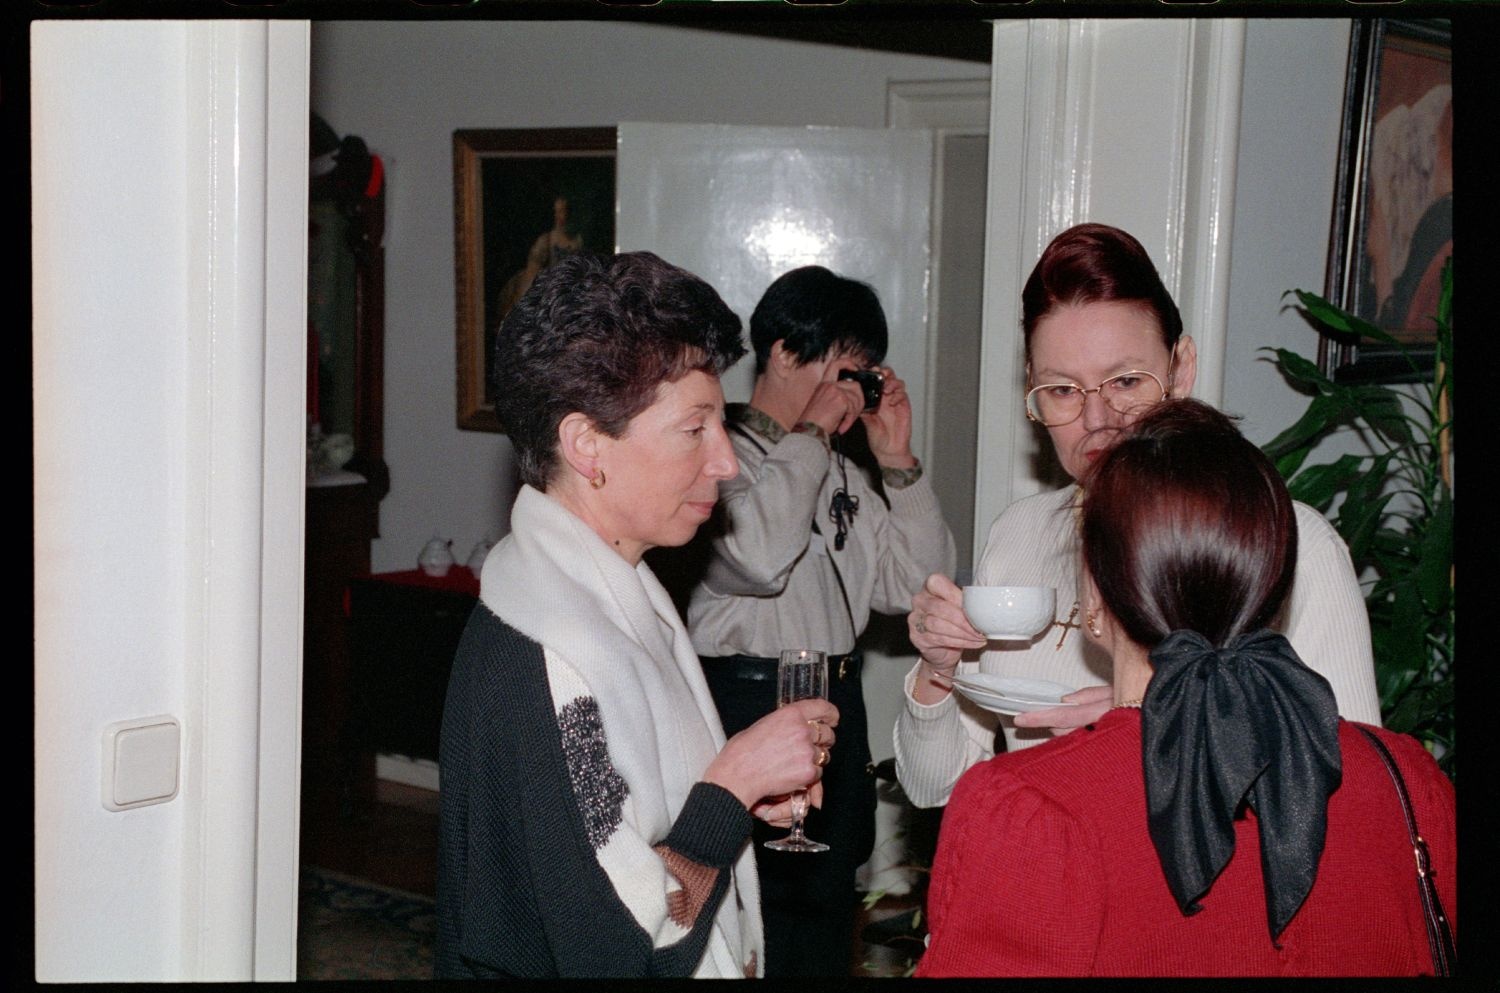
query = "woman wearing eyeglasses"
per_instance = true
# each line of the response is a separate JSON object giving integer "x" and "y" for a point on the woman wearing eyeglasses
{"x": 1104, "y": 344}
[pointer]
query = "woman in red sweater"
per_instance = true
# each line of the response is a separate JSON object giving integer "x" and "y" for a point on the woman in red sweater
{"x": 1221, "y": 820}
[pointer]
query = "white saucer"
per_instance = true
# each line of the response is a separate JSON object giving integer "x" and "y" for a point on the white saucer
{"x": 1010, "y": 694}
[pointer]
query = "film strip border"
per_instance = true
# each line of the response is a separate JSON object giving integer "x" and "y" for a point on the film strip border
{"x": 711, "y": 9}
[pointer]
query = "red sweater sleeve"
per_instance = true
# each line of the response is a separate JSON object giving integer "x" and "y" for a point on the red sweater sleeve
{"x": 1014, "y": 887}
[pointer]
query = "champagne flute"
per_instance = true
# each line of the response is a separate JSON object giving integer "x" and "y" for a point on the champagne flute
{"x": 801, "y": 675}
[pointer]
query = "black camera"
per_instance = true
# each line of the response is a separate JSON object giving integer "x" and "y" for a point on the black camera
{"x": 872, "y": 382}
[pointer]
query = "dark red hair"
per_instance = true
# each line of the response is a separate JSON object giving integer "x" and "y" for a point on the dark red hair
{"x": 1096, "y": 263}
{"x": 1186, "y": 525}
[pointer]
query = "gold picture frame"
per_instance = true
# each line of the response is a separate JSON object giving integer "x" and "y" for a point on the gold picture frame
{"x": 521, "y": 199}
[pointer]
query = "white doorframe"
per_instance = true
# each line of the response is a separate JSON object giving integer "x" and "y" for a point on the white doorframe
{"x": 946, "y": 107}
{"x": 278, "y": 814}
{"x": 247, "y": 120}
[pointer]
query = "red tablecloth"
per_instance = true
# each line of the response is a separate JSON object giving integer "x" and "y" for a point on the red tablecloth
{"x": 458, "y": 579}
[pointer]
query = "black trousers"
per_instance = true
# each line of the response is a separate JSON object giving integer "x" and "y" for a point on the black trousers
{"x": 808, "y": 900}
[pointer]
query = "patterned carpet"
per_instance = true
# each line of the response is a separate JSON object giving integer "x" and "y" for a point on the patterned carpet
{"x": 353, "y": 929}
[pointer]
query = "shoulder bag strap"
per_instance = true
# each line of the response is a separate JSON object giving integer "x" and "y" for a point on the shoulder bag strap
{"x": 1439, "y": 936}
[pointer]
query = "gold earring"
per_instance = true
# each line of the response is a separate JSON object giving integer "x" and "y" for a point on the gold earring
{"x": 1093, "y": 625}
{"x": 597, "y": 482}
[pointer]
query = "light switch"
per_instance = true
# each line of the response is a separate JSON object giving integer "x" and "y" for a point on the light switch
{"x": 140, "y": 762}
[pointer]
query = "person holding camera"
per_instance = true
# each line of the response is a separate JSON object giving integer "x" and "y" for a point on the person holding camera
{"x": 802, "y": 548}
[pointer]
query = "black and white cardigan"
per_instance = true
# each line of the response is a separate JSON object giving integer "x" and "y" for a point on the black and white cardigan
{"x": 576, "y": 837}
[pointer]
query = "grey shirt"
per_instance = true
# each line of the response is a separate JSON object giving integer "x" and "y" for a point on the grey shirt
{"x": 772, "y": 582}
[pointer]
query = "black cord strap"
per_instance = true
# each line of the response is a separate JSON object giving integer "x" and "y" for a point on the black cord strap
{"x": 843, "y": 507}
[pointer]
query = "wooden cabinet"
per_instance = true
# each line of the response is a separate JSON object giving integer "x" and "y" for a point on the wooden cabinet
{"x": 341, "y": 521}
{"x": 403, "y": 631}
{"x": 345, "y": 400}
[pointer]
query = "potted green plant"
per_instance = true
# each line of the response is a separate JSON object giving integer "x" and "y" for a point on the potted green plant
{"x": 1393, "y": 507}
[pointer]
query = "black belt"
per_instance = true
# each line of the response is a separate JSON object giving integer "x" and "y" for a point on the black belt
{"x": 759, "y": 667}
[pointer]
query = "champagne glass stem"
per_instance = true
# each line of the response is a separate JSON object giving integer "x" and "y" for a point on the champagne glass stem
{"x": 799, "y": 812}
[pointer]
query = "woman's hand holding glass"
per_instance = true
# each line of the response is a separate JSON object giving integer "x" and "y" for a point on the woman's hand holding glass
{"x": 777, "y": 754}
{"x": 941, "y": 632}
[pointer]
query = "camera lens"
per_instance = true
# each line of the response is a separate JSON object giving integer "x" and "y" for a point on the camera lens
{"x": 870, "y": 382}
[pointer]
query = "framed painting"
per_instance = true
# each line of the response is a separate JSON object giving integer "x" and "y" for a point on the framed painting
{"x": 522, "y": 199}
{"x": 1393, "y": 206}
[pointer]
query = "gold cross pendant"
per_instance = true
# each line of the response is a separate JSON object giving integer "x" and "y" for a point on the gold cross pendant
{"x": 1066, "y": 626}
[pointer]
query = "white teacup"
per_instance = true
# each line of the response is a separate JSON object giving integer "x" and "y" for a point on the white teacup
{"x": 1010, "y": 613}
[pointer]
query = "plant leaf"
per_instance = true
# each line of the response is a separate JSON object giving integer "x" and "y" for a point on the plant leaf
{"x": 1368, "y": 488}
{"x": 1326, "y": 314}
{"x": 1445, "y": 316}
{"x": 1393, "y": 685}
{"x": 1300, "y": 372}
{"x": 1288, "y": 464}
{"x": 1407, "y": 630}
{"x": 1317, "y": 485}
{"x": 1319, "y": 416}
{"x": 1445, "y": 298}
{"x": 1436, "y": 563}
{"x": 1382, "y": 409}
{"x": 1395, "y": 515}
{"x": 1405, "y": 717}
{"x": 1358, "y": 522}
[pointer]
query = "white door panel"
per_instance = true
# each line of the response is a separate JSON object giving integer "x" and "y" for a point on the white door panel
{"x": 741, "y": 205}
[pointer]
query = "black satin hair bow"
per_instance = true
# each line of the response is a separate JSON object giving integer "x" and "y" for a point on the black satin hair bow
{"x": 1248, "y": 723}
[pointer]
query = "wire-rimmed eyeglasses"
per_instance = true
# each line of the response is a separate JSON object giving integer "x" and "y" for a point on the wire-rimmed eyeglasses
{"x": 1055, "y": 404}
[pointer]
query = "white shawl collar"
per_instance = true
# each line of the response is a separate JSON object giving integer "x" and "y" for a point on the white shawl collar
{"x": 557, "y": 582}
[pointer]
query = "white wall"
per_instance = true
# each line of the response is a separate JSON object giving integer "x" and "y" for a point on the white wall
{"x": 110, "y": 554}
{"x": 405, "y": 87}
{"x": 1289, "y": 135}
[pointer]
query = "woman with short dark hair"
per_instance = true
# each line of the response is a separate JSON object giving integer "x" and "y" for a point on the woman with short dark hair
{"x": 594, "y": 821}
{"x": 1220, "y": 819}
